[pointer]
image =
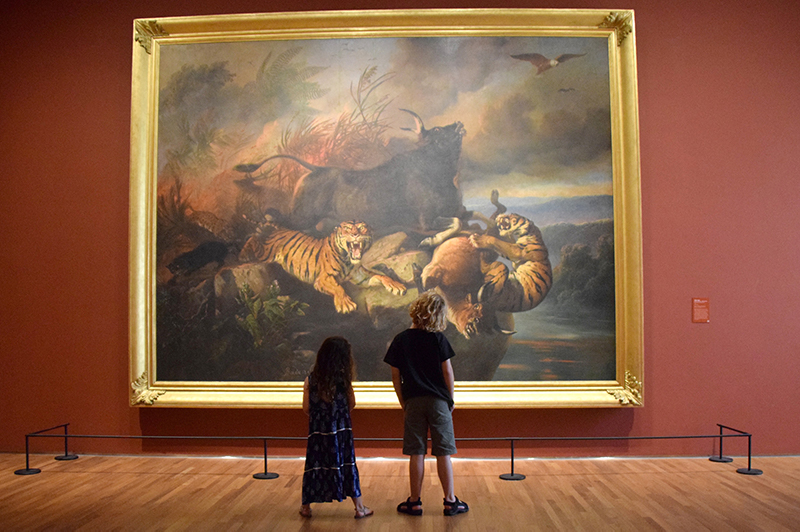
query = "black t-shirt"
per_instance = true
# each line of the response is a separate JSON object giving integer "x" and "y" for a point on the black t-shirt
{"x": 419, "y": 354}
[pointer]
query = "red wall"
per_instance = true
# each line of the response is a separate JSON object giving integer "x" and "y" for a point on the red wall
{"x": 719, "y": 113}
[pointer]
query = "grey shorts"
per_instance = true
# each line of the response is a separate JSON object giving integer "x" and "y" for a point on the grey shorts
{"x": 428, "y": 412}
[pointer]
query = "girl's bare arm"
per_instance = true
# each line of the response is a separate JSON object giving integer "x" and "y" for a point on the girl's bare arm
{"x": 352, "y": 398}
{"x": 305, "y": 396}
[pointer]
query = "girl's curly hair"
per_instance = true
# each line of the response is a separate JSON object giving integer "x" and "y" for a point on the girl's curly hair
{"x": 334, "y": 367}
{"x": 429, "y": 312}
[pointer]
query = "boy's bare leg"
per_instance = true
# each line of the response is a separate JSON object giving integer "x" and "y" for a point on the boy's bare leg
{"x": 445, "y": 469}
{"x": 416, "y": 473}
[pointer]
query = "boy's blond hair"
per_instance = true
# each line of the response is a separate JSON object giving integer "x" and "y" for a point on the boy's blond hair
{"x": 429, "y": 312}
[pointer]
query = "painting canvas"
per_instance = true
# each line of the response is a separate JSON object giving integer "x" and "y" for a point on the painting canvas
{"x": 306, "y": 187}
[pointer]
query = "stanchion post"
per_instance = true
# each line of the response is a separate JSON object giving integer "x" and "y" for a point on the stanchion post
{"x": 27, "y": 470}
{"x": 66, "y": 455}
{"x": 720, "y": 458}
{"x": 749, "y": 470}
{"x": 266, "y": 475}
{"x": 512, "y": 475}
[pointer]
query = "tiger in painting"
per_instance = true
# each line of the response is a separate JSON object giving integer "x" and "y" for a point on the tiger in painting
{"x": 464, "y": 269}
{"x": 322, "y": 262}
{"x": 520, "y": 241}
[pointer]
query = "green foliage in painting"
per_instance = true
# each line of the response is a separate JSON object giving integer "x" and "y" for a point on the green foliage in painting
{"x": 584, "y": 281}
{"x": 266, "y": 318}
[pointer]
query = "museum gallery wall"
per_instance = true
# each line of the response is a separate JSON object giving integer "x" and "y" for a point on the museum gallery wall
{"x": 712, "y": 192}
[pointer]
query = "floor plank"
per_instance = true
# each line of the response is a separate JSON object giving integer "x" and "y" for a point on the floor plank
{"x": 121, "y": 493}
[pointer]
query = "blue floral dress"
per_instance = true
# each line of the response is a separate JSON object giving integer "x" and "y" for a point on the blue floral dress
{"x": 330, "y": 471}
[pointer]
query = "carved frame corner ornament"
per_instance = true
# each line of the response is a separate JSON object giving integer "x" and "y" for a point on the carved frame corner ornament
{"x": 631, "y": 393}
{"x": 621, "y": 22}
{"x": 145, "y": 31}
{"x": 142, "y": 394}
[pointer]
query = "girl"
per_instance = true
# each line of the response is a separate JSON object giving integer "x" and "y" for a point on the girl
{"x": 330, "y": 470}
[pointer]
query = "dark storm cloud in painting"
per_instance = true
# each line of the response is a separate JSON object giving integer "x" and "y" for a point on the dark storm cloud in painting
{"x": 524, "y": 127}
{"x": 445, "y": 68}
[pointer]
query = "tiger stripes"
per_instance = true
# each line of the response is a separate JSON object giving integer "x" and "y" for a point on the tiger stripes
{"x": 322, "y": 262}
{"x": 524, "y": 287}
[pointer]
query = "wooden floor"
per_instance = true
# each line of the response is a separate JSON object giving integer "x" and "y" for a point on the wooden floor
{"x": 110, "y": 493}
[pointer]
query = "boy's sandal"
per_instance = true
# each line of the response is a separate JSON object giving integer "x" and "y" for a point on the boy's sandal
{"x": 365, "y": 512}
{"x": 408, "y": 507}
{"x": 455, "y": 507}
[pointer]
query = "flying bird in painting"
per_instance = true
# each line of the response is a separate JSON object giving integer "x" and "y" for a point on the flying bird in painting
{"x": 542, "y": 63}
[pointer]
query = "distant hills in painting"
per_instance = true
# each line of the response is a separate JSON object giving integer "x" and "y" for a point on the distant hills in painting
{"x": 549, "y": 211}
{"x": 563, "y": 221}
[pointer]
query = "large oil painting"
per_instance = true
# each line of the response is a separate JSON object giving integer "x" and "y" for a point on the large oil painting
{"x": 296, "y": 178}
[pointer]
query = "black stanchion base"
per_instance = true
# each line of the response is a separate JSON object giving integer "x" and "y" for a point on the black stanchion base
{"x": 265, "y": 476}
{"x": 27, "y": 471}
{"x": 723, "y": 459}
{"x": 512, "y": 476}
{"x": 746, "y": 471}
{"x": 67, "y": 457}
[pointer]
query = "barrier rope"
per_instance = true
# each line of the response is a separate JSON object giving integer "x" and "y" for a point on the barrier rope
{"x": 749, "y": 470}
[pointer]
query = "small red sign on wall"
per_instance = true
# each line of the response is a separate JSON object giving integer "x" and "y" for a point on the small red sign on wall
{"x": 700, "y": 310}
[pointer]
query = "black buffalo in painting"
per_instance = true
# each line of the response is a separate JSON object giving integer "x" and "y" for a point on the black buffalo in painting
{"x": 411, "y": 189}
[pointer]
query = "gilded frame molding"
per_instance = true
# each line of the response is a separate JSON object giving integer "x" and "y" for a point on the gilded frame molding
{"x": 627, "y": 389}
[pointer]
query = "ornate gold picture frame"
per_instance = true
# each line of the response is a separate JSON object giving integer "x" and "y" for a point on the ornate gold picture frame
{"x": 491, "y": 155}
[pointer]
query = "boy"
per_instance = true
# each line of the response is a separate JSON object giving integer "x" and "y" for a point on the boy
{"x": 424, "y": 382}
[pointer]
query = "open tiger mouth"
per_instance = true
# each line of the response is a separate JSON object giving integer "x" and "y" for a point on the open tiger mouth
{"x": 356, "y": 250}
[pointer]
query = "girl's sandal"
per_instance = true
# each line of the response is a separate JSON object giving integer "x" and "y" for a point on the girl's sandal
{"x": 410, "y": 507}
{"x": 364, "y": 512}
{"x": 305, "y": 512}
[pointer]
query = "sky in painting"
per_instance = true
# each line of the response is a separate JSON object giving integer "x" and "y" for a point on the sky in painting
{"x": 528, "y": 134}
